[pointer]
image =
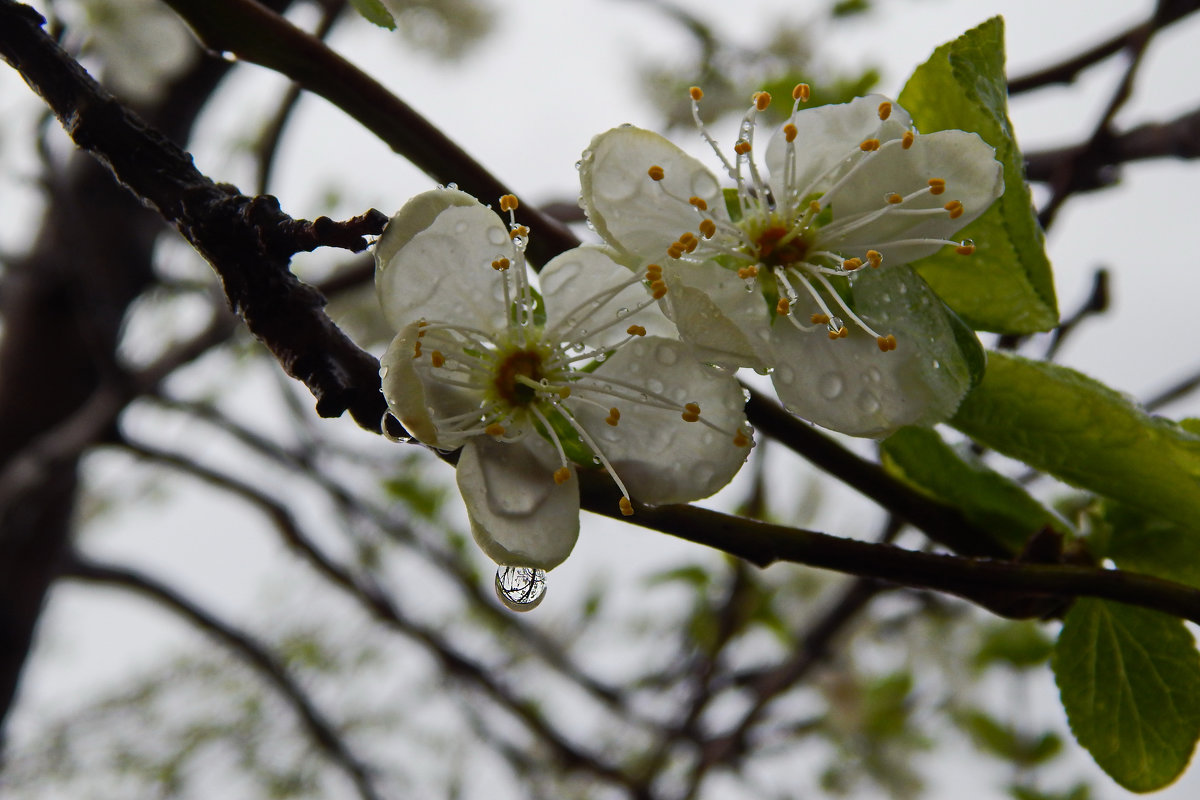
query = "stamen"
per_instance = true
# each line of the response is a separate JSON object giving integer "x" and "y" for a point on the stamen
{"x": 508, "y": 202}
{"x": 851, "y": 264}
{"x": 907, "y": 140}
{"x": 656, "y": 173}
{"x": 699, "y": 202}
{"x": 840, "y": 333}
{"x": 562, "y": 475}
{"x": 884, "y": 110}
{"x": 519, "y": 231}
{"x": 789, "y": 133}
{"x": 740, "y": 439}
{"x": 783, "y": 307}
{"x": 936, "y": 186}
{"x": 564, "y": 392}
{"x": 966, "y": 248}
{"x": 955, "y": 208}
{"x": 761, "y": 100}
{"x": 708, "y": 228}
{"x": 874, "y": 258}
{"x": 742, "y": 147}
{"x": 658, "y": 289}
{"x": 626, "y": 507}
{"x": 819, "y": 319}
{"x": 886, "y": 343}
{"x": 801, "y": 92}
{"x": 614, "y": 416}
{"x": 696, "y": 92}
{"x": 636, "y": 330}
{"x": 869, "y": 145}
{"x": 500, "y": 264}
{"x": 691, "y": 412}
{"x": 747, "y": 272}
{"x": 495, "y": 429}
{"x": 437, "y": 359}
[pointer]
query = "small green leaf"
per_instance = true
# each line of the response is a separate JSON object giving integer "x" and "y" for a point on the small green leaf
{"x": 1130, "y": 683}
{"x": 375, "y": 12}
{"x": 999, "y": 505}
{"x": 1006, "y": 285}
{"x": 1016, "y": 644}
{"x": 1079, "y": 430}
{"x": 1143, "y": 542}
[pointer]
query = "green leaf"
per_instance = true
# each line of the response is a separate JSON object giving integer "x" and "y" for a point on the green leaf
{"x": 375, "y": 12}
{"x": 1143, "y": 542}
{"x": 1079, "y": 430}
{"x": 920, "y": 458}
{"x": 1016, "y": 644}
{"x": 1007, "y": 285}
{"x": 1130, "y": 683}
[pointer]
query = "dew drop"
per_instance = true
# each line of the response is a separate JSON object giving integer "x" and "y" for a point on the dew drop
{"x": 654, "y": 385}
{"x": 832, "y": 386}
{"x": 666, "y": 356}
{"x": 703, "y": 473}
{"x": 622, "y": 313}
{"x": 496, "y": 235}
{"x": 520, "y": 588}
{"x": 704, "y": 185}
{"x": 391, "y": 423}
{"x": 461, "y": 227}
{"x": 903, "y": 289}
{"x": 785, "y": 375}
{"x": 873, "y": 374}
{"x": 383, "y": 371}
{"x": 937, "y": 364}
{"x": 868, "y": 403}
{"x": 602, "y": 356}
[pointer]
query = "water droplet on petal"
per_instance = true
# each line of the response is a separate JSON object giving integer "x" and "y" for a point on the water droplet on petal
{"x": 785, "y": 375}
{"x": 704, "y": 185}
{"x": 383, "y": 371}
{"x": 868, "y": 403}
{"x": 937, "y": 364}
{"x": 520, "y": 588}
{"x": 832, "y": 386}
{"x": 452, "y": 185}
{"x": 873, "y": 374}
{"x": 496, "y": 235}
{"x": 461, "y": 227}
{"x": 666, "y": 356}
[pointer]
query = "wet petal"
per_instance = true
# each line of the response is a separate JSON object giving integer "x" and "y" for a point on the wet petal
{"x": 967, "y": 164}
{"x": 725, "y": 324}
{"x": 417, "y": 397}
{"x": 636, "y": 214}
{"x": 850, "y": 386}
{"x": 827, "y": 140}
{"x": 440, "y": 268}
{"x": 573, "y": 282}
{"x": 519, "y": 515}
{"x": 660, "y": 457}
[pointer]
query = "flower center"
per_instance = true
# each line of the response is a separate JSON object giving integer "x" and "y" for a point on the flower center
{"x": 517, "y": 375}
{"x": 779, "y": 246}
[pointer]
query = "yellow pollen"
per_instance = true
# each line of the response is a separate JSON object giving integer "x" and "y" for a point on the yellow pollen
{"x": 636, "y": 330}
{"x": 564, "y": 392}
{"x": 626, "y": 507}
{"x": 814, "y": 206}
{"x": 819, "y": 319}
{"x": 686, "y": 238}
{"x": 868, "y": 145}
{"x": 699, "y": 202}
{"x": 955, "y": 208}
{"x": 874, "y": 258}
{"x": 520, "y": 230}
{"x": 965, "y": 249}
{"x": 614, "y": 416}
{"x": 417, "y": 349}
{"x": 740, "y": 439}
{"x": 508, "y": 202}
{"x": 675, "y": 251}
{"x": 691, "y": 245}
{"x": 851, "y": 264}
{"x": 783, "y": 307}
{"x": 762, "y": 100}
{"x": 936, "y": 186}
{"x": 653, "y": 272}
{"x": 658, "y": 289}
{"x": 801, "y": 92}
{"x": 886, "y": 343}
{"x": 656, "y": 173}
{"x": 894, "y": 198}
{"x": 908, "y": 139}
{"x": 885, "y": 110}
{"x": 437, "y": 358}
{"x": 562, "y": 475}
{"x": 500, "y": 264}
{"x": 495, "y": 429}
{"x": 696, "y": 92}
{"x": 842, "y": 332}
{"x": 748, "y": 272}
{"x": 708, "y": 228}
{"x": 789, "y": 132}
{"x": 691, "y": 413}
{"x": 742, "y": 147}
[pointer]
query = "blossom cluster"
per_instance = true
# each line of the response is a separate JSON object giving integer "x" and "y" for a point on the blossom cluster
{"x": 620, "y": 357}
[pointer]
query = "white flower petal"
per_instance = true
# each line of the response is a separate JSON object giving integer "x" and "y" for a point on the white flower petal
{"x": 573, "y": 280}
{"x": 828, "y": 138}
{"x": 633, "y": 212}
{"x": 724, "y": 324}
{"x": 660, "y": 457}
{"x": 440, "y": 268}
{"x": 967, "y": 164}
{"x": 519, "y": 515}
{"x": 417, "y": 398}
{"x": 850, "y": 386}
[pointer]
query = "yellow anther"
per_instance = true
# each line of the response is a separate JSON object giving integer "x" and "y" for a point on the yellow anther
{"x": 894, "y": 198}
{"x": 742, "y": 147}
{"x": 687, "y": 237}
{"x": 907, "y": 140}
{"x": 867, "y": 145}
{"x": 656, "y": 173}
{"x": 885, "y": 110}
{"x": 564, "y": 392}
{"x": 740, "y": 439}
{"x": 801, "y": 92}
{"x": 819, "y": 319}
{"x": 965, "y": 249}
{"x": 874, "y": 258}
{"x": 614, "y": 416}
{"x": 636, "y": 330}
{"x": 495, "y": 429}
{"x": 789, "y": 132}
{"x": 653, "y": 272}
{"x": 833, "y": 335}
{"x": 691, "y": 412}
{"x": 500, "y": 264}
{"x": 658, "y": 290}
{"x": 675, "y": 251}
{"x": 886, "y": 343}
{"x": 814, "y": 206}
{"x": 936, "y": 186}
{"x": 417, "y": 349}
{"x": 762, "y": 100}
{"x": 437, "y": 359}
{"x": 955, "y": 208}
{"x": 851, "y": 264}
{"x": 508, "y": 202}
{"x": 626, "y": 507}
{"x": 746, "y": 273}
{"x": 708, "y": 228}
{"x": 562, "y": 475}
{"x": 520, "y": 230}
{"x": 699, "y": 202}
{"x": 842, "y": 332}
{"x": 783, "y": 307}
{"x": 696, "y": 92}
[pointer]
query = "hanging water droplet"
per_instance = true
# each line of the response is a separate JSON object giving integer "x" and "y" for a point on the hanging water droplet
{"x": 579, "y": 165}
{"x": 389, "y": 427}
{"x": 602, "y": 356}
{"x": 520, "y": 588}
{"x": 452, "y": 185}
{"x": 383, "y": 371}
{"x": 835, "y": 324}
